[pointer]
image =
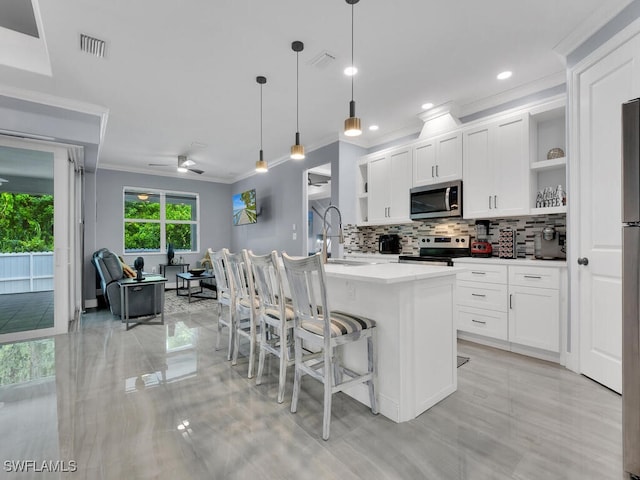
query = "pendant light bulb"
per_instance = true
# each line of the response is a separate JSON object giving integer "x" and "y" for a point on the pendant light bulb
{"x": 261, "y": 165}
{"x": 352, "y": 126}
{"x": 297, "y": 150}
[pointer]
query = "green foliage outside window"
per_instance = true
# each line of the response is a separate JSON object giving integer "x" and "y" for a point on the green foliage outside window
{"x": 144, "y": 235}
{"x": 26, "y": 223}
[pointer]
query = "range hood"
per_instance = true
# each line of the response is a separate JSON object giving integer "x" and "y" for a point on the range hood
{"x": 440, "y": 119}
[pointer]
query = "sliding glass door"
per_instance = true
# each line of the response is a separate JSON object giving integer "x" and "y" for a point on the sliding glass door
{"x": 36, "y": 239}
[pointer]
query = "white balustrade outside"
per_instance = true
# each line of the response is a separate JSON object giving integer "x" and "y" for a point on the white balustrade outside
{"x": 26, "y": 272}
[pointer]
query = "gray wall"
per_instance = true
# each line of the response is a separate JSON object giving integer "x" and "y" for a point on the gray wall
{"x": 104, "y": 225}
{"x": 279, "y": 197}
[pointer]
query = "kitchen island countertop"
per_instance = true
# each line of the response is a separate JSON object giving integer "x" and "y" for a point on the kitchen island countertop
{"x": 388, "y": 273}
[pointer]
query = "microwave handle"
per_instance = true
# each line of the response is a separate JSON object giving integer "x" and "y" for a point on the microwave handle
{"x": 447, "y": 206}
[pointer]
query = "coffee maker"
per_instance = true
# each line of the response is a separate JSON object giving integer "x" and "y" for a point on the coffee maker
{"x": 550, "y": 243}
{"x": 481, "y": 246}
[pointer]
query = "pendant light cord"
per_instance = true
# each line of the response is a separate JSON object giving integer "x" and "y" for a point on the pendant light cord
{"x": 352, "y": 66}
{"x": 297, "y": 92}
{"x": 261, "y": 117}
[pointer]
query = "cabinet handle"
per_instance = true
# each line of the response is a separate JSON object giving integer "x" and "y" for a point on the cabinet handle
{"x": 533, "y": 276}
{"x": 511, "y": 301}
{"x": 477, "y": 295}
{"x": 432, "y": 175}
{"x": 478, "y": 321}
{"x": 489, "y": 202}
{"x": 495, "y": 201}
{"x": 478, "y": 273}
{"x": 437, "y": 174}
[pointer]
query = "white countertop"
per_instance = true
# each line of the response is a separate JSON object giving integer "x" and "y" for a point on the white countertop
{"x": 389, "y": 272}
{"x": 511, "y": 261}
{"x": 391, "y": 257}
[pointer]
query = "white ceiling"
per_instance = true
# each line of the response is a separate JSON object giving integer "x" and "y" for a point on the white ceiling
{"x": 176, "y": 73}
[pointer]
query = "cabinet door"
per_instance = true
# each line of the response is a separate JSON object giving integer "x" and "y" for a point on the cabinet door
{"x": 379, "y": 191}
{"x": 478, "y": 177}
{"x": 534, "y": 317}
{"x": 511, "y": 166}
{"x": 424, "y": 163}
{"x": 448, "y": 158}
{"x": 399, "y": 184}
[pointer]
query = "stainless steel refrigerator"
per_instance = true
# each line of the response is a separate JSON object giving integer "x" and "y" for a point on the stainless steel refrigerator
{"x": 631, "y": 286}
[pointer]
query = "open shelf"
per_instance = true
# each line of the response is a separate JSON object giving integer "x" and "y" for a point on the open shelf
{"x": 549, "y": 164}
{"x": 548, "y": 210}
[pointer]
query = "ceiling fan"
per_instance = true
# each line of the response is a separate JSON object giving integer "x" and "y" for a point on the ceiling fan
{"x": 184, "y": 165}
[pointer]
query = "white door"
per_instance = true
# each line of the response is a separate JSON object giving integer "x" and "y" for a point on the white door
{"x": 478, "y": 179}
{"x": 28, "y": 177}
{"x": 449, "y": 158}
{"x": 511, "y": 168}
{"x": 401, "y": 179}
{"x": 424, "y": 163}
{"x": 379, "y": 191}
{"x": 603, "y": 87}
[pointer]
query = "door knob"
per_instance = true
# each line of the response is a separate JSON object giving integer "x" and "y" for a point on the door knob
{"x": 583, "y": 261}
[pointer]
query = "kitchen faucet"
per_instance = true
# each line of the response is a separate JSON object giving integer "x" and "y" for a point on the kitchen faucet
{"x": 324, "y": 231}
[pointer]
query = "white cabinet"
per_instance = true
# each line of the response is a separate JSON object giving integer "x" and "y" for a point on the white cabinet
{"x": 437, "y": 159}
{"x": 390, "y": 178}
{"x": 482, "y": 301}
{"x": 519, "y": 305}
{"x": 496, "y": 168}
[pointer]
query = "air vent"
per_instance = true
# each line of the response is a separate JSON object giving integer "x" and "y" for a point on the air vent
{"x": 322, "y": 59}
{"x": 92, "y": 45}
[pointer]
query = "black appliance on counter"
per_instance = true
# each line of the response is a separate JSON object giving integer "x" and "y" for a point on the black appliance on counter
{"x": 438, "y": 250}
{"x": 389, "y": 243}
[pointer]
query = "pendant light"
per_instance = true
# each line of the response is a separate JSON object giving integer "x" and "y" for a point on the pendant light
{"x": 261, "y": 165}
{"x": 297, "y": 150}
{"x": 352, "y": 124}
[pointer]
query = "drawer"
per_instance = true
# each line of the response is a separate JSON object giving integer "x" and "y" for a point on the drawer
{"x": 490, "y": 296}
{"x": 541, "y": 277}
{"x": 483, "y": 322}
{"x": 484, "y": 273}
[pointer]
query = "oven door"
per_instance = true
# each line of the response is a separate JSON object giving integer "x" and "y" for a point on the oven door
{"x": 434, "y": 201}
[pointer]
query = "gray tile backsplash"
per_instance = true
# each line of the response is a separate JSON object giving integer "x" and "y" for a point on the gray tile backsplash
{"x": 365, "y": 239}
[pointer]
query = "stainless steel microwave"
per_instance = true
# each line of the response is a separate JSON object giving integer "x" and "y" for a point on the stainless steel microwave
{"x": 434, "y": 201}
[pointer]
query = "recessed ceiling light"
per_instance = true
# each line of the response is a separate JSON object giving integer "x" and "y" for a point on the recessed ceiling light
{"x": 373, "y": 128}
{"x": 351, "y": 71}
{"x": 427, "y": 106}
{"x": 504, "y": 75}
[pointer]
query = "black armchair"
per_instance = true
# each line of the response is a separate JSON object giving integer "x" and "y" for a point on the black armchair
{"x": 110, "y": 270}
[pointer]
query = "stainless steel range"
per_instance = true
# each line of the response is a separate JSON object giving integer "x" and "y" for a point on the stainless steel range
{"x": 436, "y": 250}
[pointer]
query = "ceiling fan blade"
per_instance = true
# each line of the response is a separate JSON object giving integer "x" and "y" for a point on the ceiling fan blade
{"x": 195, "y": 170}
{"x": 158, "y": 165}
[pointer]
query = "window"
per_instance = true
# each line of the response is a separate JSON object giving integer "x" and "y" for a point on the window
{"x": 155, "y": 219}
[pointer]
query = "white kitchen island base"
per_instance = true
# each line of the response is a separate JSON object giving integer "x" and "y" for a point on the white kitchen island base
{"x": 413, "y": 306}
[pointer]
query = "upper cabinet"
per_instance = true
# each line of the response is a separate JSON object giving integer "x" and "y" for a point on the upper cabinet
{"x": 496, "y": 168}
{"x": 389, "y": 181}
{"x": 437, "y": 159}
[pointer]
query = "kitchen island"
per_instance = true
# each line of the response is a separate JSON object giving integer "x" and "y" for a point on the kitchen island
{"x": 413, "y": 306}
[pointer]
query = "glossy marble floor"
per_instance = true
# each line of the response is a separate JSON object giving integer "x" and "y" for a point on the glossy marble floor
{"x": 159, "y": 402}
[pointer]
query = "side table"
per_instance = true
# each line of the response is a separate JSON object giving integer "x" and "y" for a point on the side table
{"x": 187, "y": 277}
{"x": 157, "y": 281}
{"x": 184, "y": 268}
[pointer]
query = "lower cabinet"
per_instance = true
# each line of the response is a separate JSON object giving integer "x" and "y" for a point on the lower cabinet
{"x": 517, "y": 304}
